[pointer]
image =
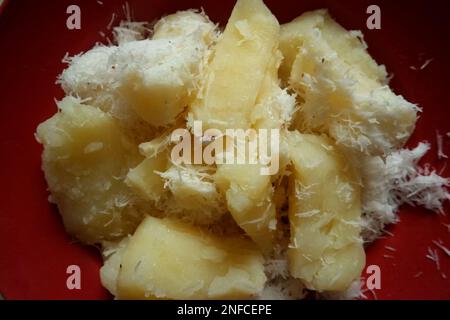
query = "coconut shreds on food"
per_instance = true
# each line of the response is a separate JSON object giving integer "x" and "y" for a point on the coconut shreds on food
{"x": 193, "y": 195}
{"x": 179, "y": 52}
{"x": 395, "y": 180}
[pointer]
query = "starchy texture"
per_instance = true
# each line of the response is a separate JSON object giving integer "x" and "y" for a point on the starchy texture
{"x": 170, "y": 259}
{"x": 229, "y": 91}
{"x": 249, "y": 199}
{"x": 326, "y": 249}
{"x": 274, "y": 106}
{"x": 155, "y": 78}
{"x": 127, "y": 167}
{"x": 344, "y": 91}
{"x": 86, "y": 158}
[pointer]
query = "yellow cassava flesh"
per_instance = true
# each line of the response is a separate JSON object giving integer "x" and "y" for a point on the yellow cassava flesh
{"x": 249, "y": 199}
{"x": 342, "y": 90}
{"x": 238, "y": 67}
{"x": 326, "y": 250}
{"x": 167, "y": 259}
{"x": 86, "y": 157}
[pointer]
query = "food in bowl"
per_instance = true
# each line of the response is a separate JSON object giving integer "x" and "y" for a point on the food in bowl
{"x": 173, "y": 228}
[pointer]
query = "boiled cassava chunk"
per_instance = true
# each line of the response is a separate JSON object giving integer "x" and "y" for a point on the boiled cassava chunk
{"x": 342, "y": 89}
{"x": 155, "y": 146}
{"x": 237, "y": 70}
{"x": 184, "y": 191}
{"x": 274, "y": 106}
{"x": 249, "y": 200}
{"x": 85, "y": 160}
{"x": 112, "y": 255}
{"x": 326, "y": 250}
{"x": 89, "y": 75}
{"x": 193, "y": 194}
{"x": 348, "y": 45}
{"x": 146, "y": 181}
{"x": 157, "y": 77}
{"x": 167, "y": 259}
{"x": 92, "y": 77}
{"x": 185, "y": 23}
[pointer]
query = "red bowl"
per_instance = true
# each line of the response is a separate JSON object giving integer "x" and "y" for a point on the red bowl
{"x": 35, "y": 251}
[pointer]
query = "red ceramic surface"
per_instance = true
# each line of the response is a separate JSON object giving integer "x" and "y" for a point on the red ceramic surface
{"x": 34, "y": 248}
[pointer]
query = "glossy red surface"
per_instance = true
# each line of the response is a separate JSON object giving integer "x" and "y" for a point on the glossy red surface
{"x": 34, "y": 248}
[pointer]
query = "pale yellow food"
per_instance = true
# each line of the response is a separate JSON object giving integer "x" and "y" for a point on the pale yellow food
{"x": 169, "y": 259}
{"x": 193, "y": 194}
{"x": 186, "y": 23}
{"x": 249, "y": 200}
{"x": 326, "y": 250}
{"x": 347, "y": 45}
{"x": 274, "y": 106}
{"x": 184, "y": 191}
{"x": 155, "y": 78}
{"x": 158, "y": 77}
{"x": 237, "y": 70}
{"x": 89, "y": 75}
{"x": 112, "y": 257}
{"x": 171, "y": 230}
{"x": 79, "y": 143}
{"x": 344, "y": 91}
{"x": 146, "y": 181}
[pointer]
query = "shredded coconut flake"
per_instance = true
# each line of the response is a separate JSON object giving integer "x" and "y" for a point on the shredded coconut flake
{"x": 433, "y": 256}
{"x": 425, "y": 64}
{"x": 440, "y": 245}
{"x": 395, "y": 180}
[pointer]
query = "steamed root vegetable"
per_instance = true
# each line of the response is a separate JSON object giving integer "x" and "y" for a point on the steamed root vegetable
{"x": 89, "y": 75}
{"x": 167, "y": 259}
{"x": 112, "y": 255}
{"x": 326, "y": 250}
{"x": 274, "y": 106}
{"x": 348, "y": 45}
{"x": 206, "y": 227}
{"x": 156, "y": 78}
{"x": 146, "y": 181}
{"x": 229, "y": 91}
{"x": 193, "y": 194}
{"x": 249, "y": 200}
{"x": 342, "y": 89}
{"x": 86, "y": 157}
{"x": 160, "y": 77}
{"x": 186, "y": 23}
{"x": 184, "y": 191}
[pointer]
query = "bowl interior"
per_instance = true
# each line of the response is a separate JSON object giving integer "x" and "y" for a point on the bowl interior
{"x": 35, "y": 250}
